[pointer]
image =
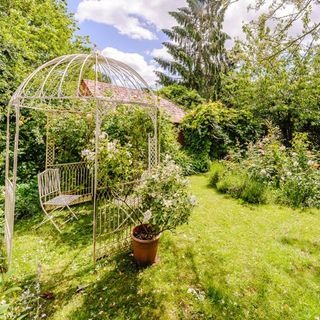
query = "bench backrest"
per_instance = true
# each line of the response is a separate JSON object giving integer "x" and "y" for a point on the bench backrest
{"x": 49, "y": 184}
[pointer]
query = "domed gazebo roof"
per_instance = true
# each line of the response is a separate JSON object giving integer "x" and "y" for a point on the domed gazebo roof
{"x": 62, "y": 79}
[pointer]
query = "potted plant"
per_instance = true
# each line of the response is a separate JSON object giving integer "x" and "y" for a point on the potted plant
{"x": 164, "y": 204}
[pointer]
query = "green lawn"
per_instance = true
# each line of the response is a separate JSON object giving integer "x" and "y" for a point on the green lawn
{"x": 231, "y": 261}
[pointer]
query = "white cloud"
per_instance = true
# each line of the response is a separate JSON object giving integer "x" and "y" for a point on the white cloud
{"x": 236, "y": 14}
{"x": 136, "y": 61}
{"x": 161, "y": 53}
{"x": 134, "y": 18}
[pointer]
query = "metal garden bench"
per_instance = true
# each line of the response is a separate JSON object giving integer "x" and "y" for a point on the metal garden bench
{"x": 52, "y": 200}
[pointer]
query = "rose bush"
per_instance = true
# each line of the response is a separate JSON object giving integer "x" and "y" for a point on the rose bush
{"x": 164, "y": 199}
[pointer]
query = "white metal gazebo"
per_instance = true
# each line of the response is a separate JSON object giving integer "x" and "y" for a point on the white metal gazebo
{"x": 89, "y": 85}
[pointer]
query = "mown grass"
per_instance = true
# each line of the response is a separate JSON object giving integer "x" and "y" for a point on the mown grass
{"x": 232, "y": 261}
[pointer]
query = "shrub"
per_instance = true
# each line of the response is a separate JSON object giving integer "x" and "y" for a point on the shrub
{"x": 165, "y": 201}
{"x": 217, "y": 171}
{"x": 300, "y": 190}
{"x": 27, "y": 199}
{"x": 268, "y": 165}
{"x": 170, "y": 146}
{"x": 212, "y": 130}
{"x": 200, "y": 162}
{"x": 254, "y": 192}
{"x": 232, "y": 183}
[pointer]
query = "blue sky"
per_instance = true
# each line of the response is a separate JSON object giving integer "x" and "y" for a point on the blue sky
{"x": 103, "y": 35}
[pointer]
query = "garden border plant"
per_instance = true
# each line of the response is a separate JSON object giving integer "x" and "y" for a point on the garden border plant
{"x": 269, "y": 171}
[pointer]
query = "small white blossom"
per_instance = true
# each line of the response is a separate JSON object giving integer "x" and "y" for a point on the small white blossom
{"x": 147, "y": 216}
{"x": 295, "y": 163}
{"x": 85, "y": 152}
{"x": 310, "y": 163}
{"x": 193, "y": 200}
{"x": 282, "y": 148}
{"x": 112, "y": 146}
{"x": 263, "y": 172}
{"x": 91, "y": 156}
{"x": 102, "y": 136}
{"x": 167, "y": 203}
{"x": 289, "y": 174}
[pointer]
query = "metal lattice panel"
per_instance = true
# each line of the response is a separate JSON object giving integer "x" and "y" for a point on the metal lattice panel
{"x": 114, "y": 218}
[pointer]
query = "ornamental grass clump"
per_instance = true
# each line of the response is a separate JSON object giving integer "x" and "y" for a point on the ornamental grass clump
{"x": 165, "y": 201}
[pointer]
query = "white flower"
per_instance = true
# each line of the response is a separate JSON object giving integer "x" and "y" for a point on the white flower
{"x": 295, "y": 163}
{"x": 91, "y": 156}
{"x": 289, "y": 174}
{"x": 145, "y": 175}
{"x": 102, "y": 136}
{"x": 147, "y": 216}
{"x": 263, "y": 172}
{"x": 294, "y": 154}
{"x": 310, "y": 163}
{"x": 282, "y": 148}
{"x": 112, "y": 146}
{"x": 167, "y": 203}
{"x": 85, "y": 152}
{"x": 193, "y": 200}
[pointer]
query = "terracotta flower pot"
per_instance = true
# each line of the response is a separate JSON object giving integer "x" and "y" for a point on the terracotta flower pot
{"x": 144, "y": 251}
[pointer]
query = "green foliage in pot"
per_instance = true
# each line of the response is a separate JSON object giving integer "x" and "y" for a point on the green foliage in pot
{"x": 165, "y": 201}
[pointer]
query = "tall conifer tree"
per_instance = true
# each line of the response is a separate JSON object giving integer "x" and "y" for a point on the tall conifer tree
{"x": 197, "y": 48}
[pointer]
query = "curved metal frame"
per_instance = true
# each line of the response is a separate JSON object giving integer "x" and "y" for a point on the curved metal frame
{"x": 48, "y": 88}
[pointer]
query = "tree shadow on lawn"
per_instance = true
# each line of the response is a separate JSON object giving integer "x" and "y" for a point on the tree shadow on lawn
{"x": 74, "y": 233}
{"x": 211, "y": 278}
{"x": 308, "y": 247}
{"x": 116, "y": 294}
{"x": 302, "y": 244}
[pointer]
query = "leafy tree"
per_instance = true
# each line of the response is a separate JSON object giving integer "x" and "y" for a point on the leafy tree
{"x": 197, "y": 48}
{"x": 285, "y": 16}
{"x": 189, "y": 99}
{"x": 283, "y": 88}
{"x": 31, "y": 33}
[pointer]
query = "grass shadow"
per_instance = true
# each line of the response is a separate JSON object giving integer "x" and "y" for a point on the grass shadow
{"x": 74, "y": 233}
{"x": 117, "y": 293}
{"x": 302, "y": 244}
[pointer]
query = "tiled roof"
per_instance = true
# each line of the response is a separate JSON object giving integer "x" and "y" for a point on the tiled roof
{"x": 128, "y": 94}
